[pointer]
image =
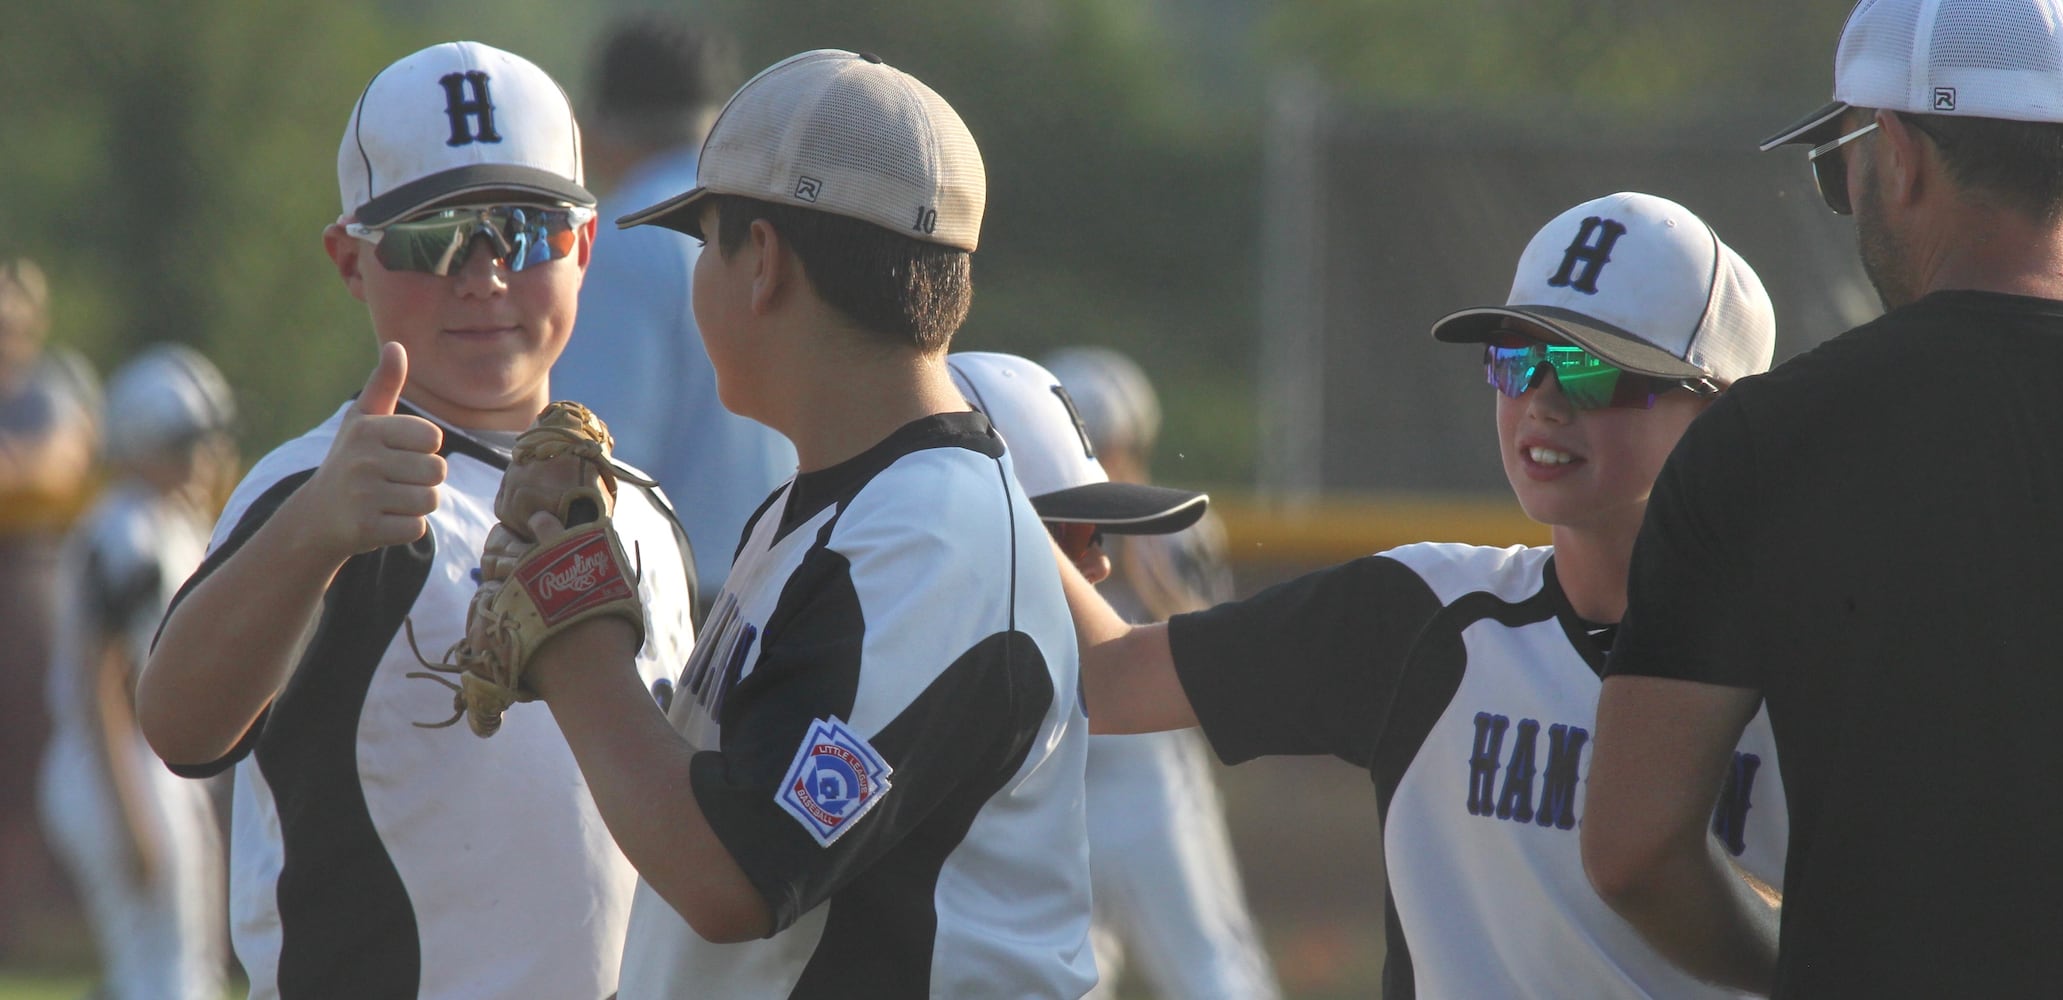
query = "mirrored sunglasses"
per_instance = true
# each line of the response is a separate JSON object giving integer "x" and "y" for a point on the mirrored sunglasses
{"x": 1587, "y": 381}
{"x": 440, "y": 242}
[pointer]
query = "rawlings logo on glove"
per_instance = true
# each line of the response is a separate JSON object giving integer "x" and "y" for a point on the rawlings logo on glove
{"x": 530, "y": 592}
{"x": 566, "y": 583}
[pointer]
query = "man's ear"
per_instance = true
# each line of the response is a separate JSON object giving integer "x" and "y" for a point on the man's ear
{"x": 347, "y": 252}
{"x": 1907, "y": 164}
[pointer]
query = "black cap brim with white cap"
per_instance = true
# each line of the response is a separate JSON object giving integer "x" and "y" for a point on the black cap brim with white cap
{"x": 1999, "y": 59}
{"x": 845, "y": 133}
{"x": 1051, "y": 452}
{"x": 455, "y": 120}
{"x": 1821, "y": 126}
{"x": 1642, "y": 283}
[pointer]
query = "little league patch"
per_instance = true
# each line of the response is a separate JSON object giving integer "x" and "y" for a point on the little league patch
{"x": 835, "y": 779}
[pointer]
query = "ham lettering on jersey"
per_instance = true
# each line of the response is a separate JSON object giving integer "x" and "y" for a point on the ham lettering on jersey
{"x": 1542, "y": 791}
{"x": 719, "y": 656}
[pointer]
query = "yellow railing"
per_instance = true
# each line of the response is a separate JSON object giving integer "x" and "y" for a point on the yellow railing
{"x": 1339, "y": 527}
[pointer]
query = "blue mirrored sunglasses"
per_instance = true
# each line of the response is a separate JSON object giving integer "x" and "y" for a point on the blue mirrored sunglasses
{"x": 439, "y": 242}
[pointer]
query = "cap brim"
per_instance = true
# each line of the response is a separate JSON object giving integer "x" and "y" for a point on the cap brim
{"x": 1621, "y": 349}
{"x": 422, "y": 193}
{"x": 680, "y": 213}
{"x": 1124, "y": 508}
{"x": 1813, "y": 129}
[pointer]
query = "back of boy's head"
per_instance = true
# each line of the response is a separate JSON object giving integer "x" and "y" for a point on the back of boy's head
{"x": 454, "y": 123}
{"x": 868, "y": 174}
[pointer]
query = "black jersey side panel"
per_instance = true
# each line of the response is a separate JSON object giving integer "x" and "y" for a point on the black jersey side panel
{"x": 880, "y": 927}
{"x": 347, "y": 928}
{"x": 799, "y": 675}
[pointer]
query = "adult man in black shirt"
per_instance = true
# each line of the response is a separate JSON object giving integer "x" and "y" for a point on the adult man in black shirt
{"x": 1868, "y": 538}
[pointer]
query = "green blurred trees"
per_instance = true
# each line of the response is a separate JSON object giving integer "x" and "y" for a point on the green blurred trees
{"x": 1631, "y": 55}
{"x": 172, "y": 163}
{"x": 168, "y": 162}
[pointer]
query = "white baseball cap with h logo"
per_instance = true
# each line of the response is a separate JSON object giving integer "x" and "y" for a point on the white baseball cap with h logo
{"x": 456, "y": 119}
{"x": 1642, "y": 283}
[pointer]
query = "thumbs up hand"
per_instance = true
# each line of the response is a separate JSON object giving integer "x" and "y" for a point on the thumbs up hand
{"x": 378, "y": 484}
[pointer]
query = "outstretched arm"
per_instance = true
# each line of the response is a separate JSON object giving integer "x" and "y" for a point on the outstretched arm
{"x": 1128, "y": 671}
{"x": 1662, "y": 751}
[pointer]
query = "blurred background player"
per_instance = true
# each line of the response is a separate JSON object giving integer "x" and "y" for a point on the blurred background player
{"x": 636, "y": 358}
{"x": 140, "y": 843}
{"x": 1167, "y": 886}
{"x": 1464, "y": 678}
{"x": 49, "y": 404}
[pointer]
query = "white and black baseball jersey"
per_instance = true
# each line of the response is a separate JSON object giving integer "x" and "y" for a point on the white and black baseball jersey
{"x": 1461, "y": 678}
{"x": 373, "y": 857}
{"x": 889, "y": 739}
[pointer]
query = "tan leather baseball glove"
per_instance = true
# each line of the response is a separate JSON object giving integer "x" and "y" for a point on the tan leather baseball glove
{"x": 530, "y": 592}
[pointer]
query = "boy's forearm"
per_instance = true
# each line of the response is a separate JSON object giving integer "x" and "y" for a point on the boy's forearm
{"x": 639, "y": 772}
{"x": 1128, "y": 672}
{"x": 228, "y": 647}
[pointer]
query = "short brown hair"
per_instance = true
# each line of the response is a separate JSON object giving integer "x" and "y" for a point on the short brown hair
{"x": 911, "y": 291}
{"x": 2018, "y": 163}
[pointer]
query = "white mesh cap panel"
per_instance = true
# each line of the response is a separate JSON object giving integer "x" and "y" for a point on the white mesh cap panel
{"x": 1737, "y": 338}
{"x": 840, "y": 133}
{"x": 1980, "y": 58}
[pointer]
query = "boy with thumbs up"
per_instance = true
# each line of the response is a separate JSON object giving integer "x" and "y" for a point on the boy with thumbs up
{"x": 372, "y": 852}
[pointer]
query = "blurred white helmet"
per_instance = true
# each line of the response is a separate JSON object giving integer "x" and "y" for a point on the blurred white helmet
{"x": 162, "y": 398}
{"x": 1113, "y": 395}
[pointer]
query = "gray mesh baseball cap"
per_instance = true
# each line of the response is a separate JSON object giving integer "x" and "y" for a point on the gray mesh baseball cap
{"x": 843, "y": 133}
{"x": 1970, "y": 58}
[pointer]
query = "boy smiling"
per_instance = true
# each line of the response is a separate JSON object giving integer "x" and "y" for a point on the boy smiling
{"x": 1464, "y": 678}
{"x": 373, "y": 854}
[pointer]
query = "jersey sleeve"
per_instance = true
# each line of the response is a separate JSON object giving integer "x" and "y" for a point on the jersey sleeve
{"x": 1310, "y": 666}
{"x": 875, "y": 703}
{"x": 1687, "y": 614}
